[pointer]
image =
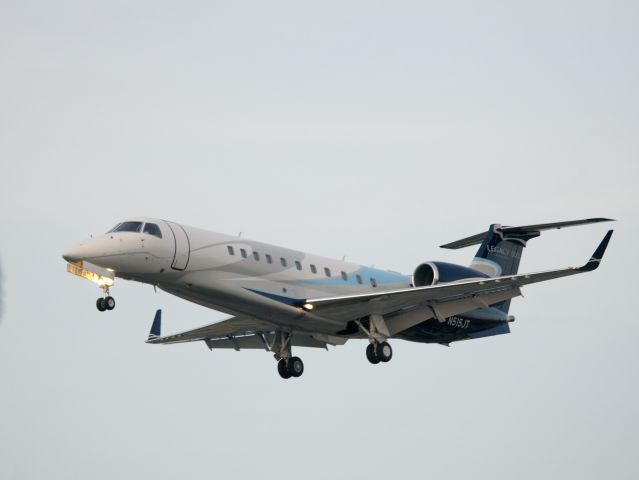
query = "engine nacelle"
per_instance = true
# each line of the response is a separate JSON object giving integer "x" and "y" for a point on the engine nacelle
{"x": 432, "y": 273}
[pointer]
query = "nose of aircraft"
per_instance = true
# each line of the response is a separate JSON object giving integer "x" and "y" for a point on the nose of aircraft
{"x": 95, "y": 249}
{"x": 87, "y": 250}
{"x": 73, "y": 254}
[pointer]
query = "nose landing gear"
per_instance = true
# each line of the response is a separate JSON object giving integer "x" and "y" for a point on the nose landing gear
{"x": 106, "y": 302}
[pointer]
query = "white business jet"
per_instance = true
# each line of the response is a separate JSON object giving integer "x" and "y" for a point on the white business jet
{"x": 281, "y": 298}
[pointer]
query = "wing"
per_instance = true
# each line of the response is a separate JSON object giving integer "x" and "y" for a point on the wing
{"x": 440, "y": 300}
{"x": 443, "y": 300}
{"x": 239, "y": 332}
{"x": 231, "y": 327}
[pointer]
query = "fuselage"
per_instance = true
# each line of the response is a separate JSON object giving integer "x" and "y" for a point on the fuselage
{"x": 245, "y": 277}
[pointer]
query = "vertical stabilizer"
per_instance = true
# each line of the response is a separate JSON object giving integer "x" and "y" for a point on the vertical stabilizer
{"x": 499, "y": 253}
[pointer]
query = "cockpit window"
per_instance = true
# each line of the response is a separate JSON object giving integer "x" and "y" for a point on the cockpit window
{"x": 127, "y": 227}
{"x": 152, "y": 229}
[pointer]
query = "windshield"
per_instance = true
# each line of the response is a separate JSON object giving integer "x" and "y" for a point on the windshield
{"x": 127, "y": 227}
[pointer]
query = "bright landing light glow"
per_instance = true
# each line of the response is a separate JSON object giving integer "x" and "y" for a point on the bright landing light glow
{"x": 94, "y": 277}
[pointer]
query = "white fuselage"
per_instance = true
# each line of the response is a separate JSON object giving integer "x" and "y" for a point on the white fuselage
{"x": 229, "y": 273}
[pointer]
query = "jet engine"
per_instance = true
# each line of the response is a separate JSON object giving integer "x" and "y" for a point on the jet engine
{"x": 432, "y": 273}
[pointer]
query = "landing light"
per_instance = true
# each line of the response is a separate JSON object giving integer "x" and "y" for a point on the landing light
{"x": 97, "y": 277}
{"x": 308, "y": 306}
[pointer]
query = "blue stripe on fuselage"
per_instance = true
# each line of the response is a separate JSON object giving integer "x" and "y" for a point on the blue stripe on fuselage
{"x": 297, "y": 302}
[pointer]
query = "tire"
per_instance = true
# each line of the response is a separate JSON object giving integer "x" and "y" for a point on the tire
{"x": 370, "y": 354}
{"x": 296, "y": 366}
{"x": 384, "y": 352}
{"x": 100, "y": 304}
{"x": 109, "y": 303}
{"x": 282, "y": 369}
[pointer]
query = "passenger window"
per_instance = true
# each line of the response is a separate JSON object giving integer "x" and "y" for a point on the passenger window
{"x": 128, "y": 227}
{"x": 344, "y": 277}
{"x": 231, "y": 250}
{"x": 283, "y": 261}
{"x": 313, "y": 268}
{"x": 373, "y": 282}
{"x": 269, "y": 259}
{"x": 152, "y": 229}
{"x": 358, "y": 277}
{"x": 327, "y": 271}
{"x": 256, "y": 256}
{"x": 298, "y": 265}
{"x": 243, "y": 253}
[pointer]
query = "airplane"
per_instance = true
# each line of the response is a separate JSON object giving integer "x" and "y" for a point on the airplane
{"x": 280, "y": 298}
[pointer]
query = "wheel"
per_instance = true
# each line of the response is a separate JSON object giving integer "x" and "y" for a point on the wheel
{"x": 370, "y": 354}
{"x": 384, "y": 352}
{"x": 296, "y": 366}
{"x": 282, "y": 369}
{"x": 109, "y": 303}
{"x": 101, "y": 304}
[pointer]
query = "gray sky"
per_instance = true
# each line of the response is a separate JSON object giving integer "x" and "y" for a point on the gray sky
{"x": 372, "y": 130}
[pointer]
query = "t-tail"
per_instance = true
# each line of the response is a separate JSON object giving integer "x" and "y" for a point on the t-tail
{"x": 501, "y": 247}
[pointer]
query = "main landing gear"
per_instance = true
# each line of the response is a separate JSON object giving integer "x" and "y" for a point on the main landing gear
{"x": 378, "y": 349}
{"x": 290, "y": 367}
{"x": 287, "y": 365}
{"x": 379, "y": 352}
{"x": 106, "y": 301}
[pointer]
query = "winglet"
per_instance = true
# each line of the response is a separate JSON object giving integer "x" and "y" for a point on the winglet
{"x": 156, "y": 327}
{"x": 595, "y": 260}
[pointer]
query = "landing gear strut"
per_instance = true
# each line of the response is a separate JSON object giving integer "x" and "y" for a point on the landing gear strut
{"x": 287, "y": 365}
{"x": 106, "y": 301}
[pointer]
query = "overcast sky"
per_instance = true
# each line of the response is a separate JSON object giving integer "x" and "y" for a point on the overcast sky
{"x": 375, "y": 130}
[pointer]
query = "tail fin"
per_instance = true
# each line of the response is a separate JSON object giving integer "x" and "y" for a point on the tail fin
{"x": 501, "y": 247}
{"x": 500, "y": 252}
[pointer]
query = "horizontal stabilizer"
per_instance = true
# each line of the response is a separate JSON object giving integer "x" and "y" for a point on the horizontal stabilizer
{"x": 522, "y": 231}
